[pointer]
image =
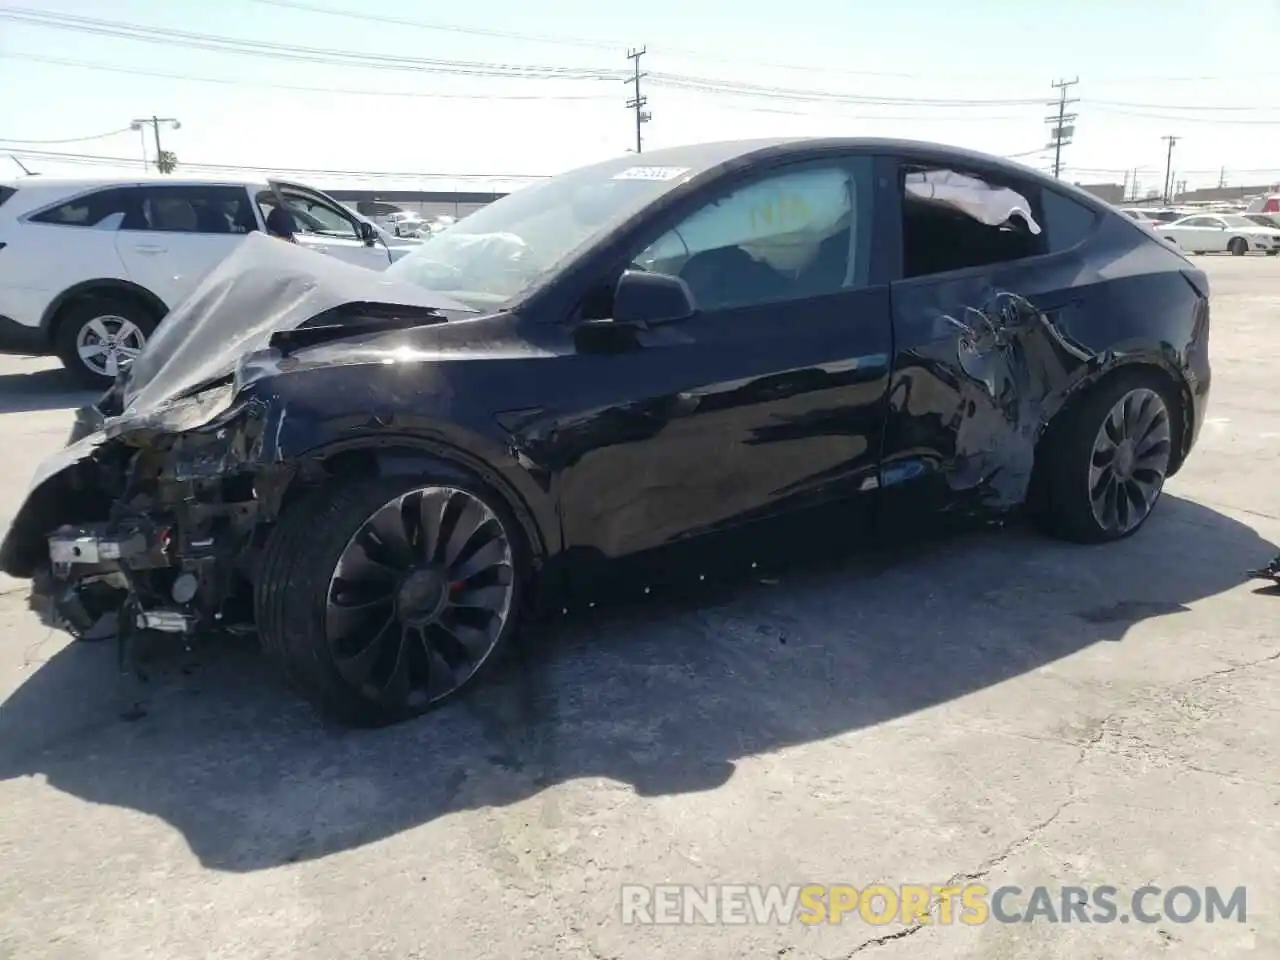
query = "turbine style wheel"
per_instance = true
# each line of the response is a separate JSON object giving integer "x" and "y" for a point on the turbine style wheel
{"x": 417, "y": 589}
{"x": 1130, "y": 459}
{"x": 1101, "y": 465}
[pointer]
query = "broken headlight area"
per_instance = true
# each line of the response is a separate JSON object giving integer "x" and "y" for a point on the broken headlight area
{"x": 172, "y": 550}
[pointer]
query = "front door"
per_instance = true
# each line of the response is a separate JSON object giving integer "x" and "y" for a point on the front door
{"x": 769, "y": 398}
{"x": 325, "y": 226}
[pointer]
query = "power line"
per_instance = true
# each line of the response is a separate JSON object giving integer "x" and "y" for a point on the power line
{"x": 681, "y": 52}
{"x": 329, "y": 91}
{"x": 1181, "y": 118}
{"x": 443, "y": 27}
{"x": 1173, "y": 106}
{"x": 99, "y": 160}
{"x": 96, "y": 136}
{"x": 278, "y": 51}
{"x": 567, "y": 97}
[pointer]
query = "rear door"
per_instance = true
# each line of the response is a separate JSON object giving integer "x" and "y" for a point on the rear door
{"x": 975, "y": 360}
{"x": 172, "y": 236}
{"x": 325, "y": 225}
{"x": 60, "y": 244}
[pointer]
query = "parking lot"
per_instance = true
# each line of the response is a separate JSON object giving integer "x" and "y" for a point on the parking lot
{"x": 995, "y": 709}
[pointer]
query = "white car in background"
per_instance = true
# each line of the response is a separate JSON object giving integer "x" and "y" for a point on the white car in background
{"x": 88, "y": 268}
{"x": 1221, "y": 233}
{"x": 405, "y": 223}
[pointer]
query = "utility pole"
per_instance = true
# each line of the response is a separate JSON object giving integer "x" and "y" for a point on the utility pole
{"x": 638, "y": 101}
{"x": 1062, "y": 130}
{"x": 154, "y": 123}
{"x": 1168, "y": 167}
{"x": 1222, "y": 179}
{"x": 1124, "y": 187}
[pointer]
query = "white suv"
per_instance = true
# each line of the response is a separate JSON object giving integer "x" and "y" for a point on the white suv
{"x": 88, "y": 268}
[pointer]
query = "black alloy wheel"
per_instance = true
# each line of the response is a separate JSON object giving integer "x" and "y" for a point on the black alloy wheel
{"x": 419, "y": 597}
{"x": 380, "y": 598}
{"x": 1130, "y": 460}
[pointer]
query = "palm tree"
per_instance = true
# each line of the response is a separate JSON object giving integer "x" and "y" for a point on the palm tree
{"x": 167, "y": 161}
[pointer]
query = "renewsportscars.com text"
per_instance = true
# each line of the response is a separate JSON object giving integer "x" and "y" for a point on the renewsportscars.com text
{"x": 969, "y": 904}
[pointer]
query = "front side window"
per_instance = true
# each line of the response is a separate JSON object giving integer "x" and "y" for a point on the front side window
{"x": 103, "y": 208}
{"x": 797, "y": 234}
{"x": 315, "y": 216}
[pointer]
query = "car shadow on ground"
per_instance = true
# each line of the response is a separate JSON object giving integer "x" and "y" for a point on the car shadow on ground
{"x": 664, "y": 696}
{"x": 42, "y": 389}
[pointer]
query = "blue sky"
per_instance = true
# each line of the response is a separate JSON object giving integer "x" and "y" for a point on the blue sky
{"x": 1207, "y": 73}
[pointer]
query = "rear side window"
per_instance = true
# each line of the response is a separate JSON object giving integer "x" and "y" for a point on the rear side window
{"x": 5, "y": 194}
{"x": 90, "y": 210}
{"x": 1066, "y": 222}
{"x": 955, "y": 220}
{"x": 192, "y": 209}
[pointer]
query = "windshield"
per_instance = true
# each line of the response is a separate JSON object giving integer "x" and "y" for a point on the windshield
{"x": 500, "y": 250}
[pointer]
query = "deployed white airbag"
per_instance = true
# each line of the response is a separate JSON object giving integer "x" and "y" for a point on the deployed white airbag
{"x": 985, "y": 203}
{"x": 780, "y": 221}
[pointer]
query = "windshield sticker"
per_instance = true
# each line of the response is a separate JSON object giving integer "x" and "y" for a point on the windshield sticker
{"x": 650, "y": 173}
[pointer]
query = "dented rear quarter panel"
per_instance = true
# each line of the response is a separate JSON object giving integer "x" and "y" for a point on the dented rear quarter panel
{"x": 985, "y": 358}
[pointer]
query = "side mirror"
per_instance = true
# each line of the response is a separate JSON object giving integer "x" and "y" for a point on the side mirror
{"x": 367, "y": 233}
{"x": 641, "y": 299}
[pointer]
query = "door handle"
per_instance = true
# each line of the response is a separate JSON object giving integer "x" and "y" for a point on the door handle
{"x": 150, "y": 248}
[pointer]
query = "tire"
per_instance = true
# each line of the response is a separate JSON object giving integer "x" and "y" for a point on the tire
{"x": 298, "y": 578}
{"x": 1060, "y": 500}
{"x": 1238, "y": 246}
{"x": 112, "y": 314}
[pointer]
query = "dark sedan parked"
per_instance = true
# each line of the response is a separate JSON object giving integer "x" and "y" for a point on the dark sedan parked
{"x": 376, "y": 470}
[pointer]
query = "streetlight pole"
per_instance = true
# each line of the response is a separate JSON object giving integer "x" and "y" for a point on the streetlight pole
{"x": 154, "y": 123}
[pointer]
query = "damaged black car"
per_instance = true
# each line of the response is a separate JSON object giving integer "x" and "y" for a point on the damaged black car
{"x": 378, "y": 472}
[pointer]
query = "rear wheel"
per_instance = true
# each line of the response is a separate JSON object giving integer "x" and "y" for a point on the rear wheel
{"x": 1103, "y": 466}
{"x": 1238, "y": 246}
{"x": 381, "y": 598}
{"x": 96, "y": 336}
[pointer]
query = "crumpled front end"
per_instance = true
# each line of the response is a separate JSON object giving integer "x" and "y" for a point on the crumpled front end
{"x": 152, "y": 519}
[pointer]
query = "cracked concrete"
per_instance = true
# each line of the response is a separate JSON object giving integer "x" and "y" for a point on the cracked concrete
{"x": 998, "y": 709}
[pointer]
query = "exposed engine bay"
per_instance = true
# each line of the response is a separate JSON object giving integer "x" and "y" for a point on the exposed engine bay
{"x": 174, "y": 550}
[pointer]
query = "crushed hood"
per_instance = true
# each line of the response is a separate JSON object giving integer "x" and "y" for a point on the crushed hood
{"x": 264, "y": 287}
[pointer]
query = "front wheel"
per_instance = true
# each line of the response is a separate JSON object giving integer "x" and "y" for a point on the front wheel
{"x": 1104, "y": 465}
{"x": 381, "y": 598}
{"x": 1238, "y": 246}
